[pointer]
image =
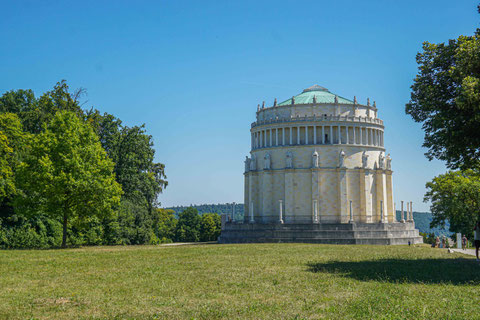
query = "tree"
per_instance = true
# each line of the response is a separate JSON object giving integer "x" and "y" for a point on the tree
{"x": 455, "y": 196}
{"x": 67, "y": 174}
{"x": 210, "y": 227}
{"x": 166, "y": 224}
{"x": 36, "y": 113}
{"x": 188, "y": 226}
{"x": 12, "y": 141}
{"x": 445, "y": 98}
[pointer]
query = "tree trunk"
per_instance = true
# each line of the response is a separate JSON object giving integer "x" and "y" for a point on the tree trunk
{"x": 64, "y": 239}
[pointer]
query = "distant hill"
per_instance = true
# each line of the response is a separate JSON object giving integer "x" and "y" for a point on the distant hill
{"x": 422, "y": 219}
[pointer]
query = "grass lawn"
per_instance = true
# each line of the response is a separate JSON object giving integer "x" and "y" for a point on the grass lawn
{"x": 253, "y": 281}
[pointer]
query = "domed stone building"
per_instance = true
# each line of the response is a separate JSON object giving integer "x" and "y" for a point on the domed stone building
{"x": 318, "y": 172}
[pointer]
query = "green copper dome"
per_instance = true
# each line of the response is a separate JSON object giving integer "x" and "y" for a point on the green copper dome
{"x": 321, "y": 95}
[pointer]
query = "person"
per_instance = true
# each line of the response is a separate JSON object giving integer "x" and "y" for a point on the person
{"x": 476, "y": 237}
{"x": 437, "y": 242}
{"x": 464, "y": 242}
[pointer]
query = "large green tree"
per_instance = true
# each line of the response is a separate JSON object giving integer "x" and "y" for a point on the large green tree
{"x": 210, "y": 227}
{"x": 445, "y": 98}
{"x": 166, "y": 224}
{"x": 188, "y": 226}
{"x": 67, "y": 174}
{"x": 12, "y": 142}
{"x": 455, "y": 196}
{"x": 142, "y": 179}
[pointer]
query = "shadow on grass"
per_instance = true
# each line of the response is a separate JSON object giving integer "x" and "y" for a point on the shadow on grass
{"x": 433, "y": 271}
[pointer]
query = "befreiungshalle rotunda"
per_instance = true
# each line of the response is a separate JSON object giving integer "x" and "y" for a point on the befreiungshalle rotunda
{"x": 318, "y": 172}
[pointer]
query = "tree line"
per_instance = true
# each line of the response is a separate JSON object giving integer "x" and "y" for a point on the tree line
{"x": 70, "y": 176}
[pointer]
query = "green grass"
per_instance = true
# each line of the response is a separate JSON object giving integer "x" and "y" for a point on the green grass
{"x": 254, "y": 281}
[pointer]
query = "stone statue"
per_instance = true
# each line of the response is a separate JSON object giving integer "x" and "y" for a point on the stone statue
{"x": 341, "y": 159}
{"x": 364, "y": 159}
{"x": 253, "y": 163}
{"x": 389, "y": 162}
{"x": 289, "y": 160}
{"x": 247, "y": 164}
{"x": 315, "y": 159}
{"x": 267, "y": 161}
{"x": 381, "y": 161}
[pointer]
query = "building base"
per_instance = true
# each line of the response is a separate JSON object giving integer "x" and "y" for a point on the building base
{"x": 336, "y": 233}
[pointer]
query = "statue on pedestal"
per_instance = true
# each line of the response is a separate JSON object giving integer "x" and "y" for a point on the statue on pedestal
{"x": 381, "y": 161}
{"x": 289, "y": 160}
{"x": 364, "y": 160}
{"x": 247, "y": 164}
{"x": 253, "y": 163}
{"x": 389, "y": 162}
{"x": 341, "y": 161}
{"x": 315, "y": 159}
{"x": 266, "y": 161}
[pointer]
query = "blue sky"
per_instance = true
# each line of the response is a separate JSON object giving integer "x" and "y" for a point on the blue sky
{"x": 194, "y": 72}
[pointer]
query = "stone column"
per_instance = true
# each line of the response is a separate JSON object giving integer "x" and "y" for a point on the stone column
{"x": 354, "y": 135}
{"x": 381, "y": 191}
{"x": 339, "y": 135}
{"x": 351, "y": 212}
{"x": 280, "y": 216}
{"x": 283, "y": 136}
{"x": 276, "y": 137}
{"x": 331, "y": 134}
{"x": 289, "y": 194}
{"x": 298, "y": 135}
{"x": 367, "y": 137}
{"x": 382, "y": 218}
{"x": 411, "y": 211}
{"x": 365, "y": 196}
{"x": 315, "y": 194}
{"x": 270, "y": 137}
{"x": 291, "y": 136}
{"x": 252, "y": 219}
{"x": 323, "y": 134}
{"x": 342, "y": 195}
{"x": 251, "y": 193}
{"x": 314, "y": 134}
{"x": 306, "y": 134}
{"x": 402, "y": 216}
{"x": 390, "y": 201}
{"x": 346, "y": 133}
{"x": 267, "y": 209}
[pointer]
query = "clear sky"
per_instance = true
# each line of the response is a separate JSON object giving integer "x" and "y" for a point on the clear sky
{"x": 194, "y": 72}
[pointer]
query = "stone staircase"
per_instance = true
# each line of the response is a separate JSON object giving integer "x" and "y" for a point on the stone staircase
{"x": 334, "y": 233}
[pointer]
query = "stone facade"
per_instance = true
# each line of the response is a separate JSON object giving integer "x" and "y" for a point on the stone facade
{"x": 318, "y": 159}
{"x": 315, "y": 135}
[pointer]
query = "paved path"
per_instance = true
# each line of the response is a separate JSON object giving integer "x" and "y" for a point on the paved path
{"x": 470, "y": 252}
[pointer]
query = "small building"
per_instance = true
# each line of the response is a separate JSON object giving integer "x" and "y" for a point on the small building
{"x": 318, "y": 172}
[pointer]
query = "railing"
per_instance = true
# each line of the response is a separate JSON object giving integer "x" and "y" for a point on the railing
{"x": 329, "y": 118}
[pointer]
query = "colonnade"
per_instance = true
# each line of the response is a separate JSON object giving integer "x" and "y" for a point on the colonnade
{"x": 304, "y": 135}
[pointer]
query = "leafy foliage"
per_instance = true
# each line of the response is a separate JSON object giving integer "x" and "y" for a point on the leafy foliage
{"x": 128, "y": 150}
{"x": 166, "y": 225}
{"x": 188, "y": 226}
{"x": 210, "y": 227}
{"x": 455, "y": 196}
{"x": 445, "y": 98}
{"x": 12, "y": 142}
{"x": 66, "y": 174}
